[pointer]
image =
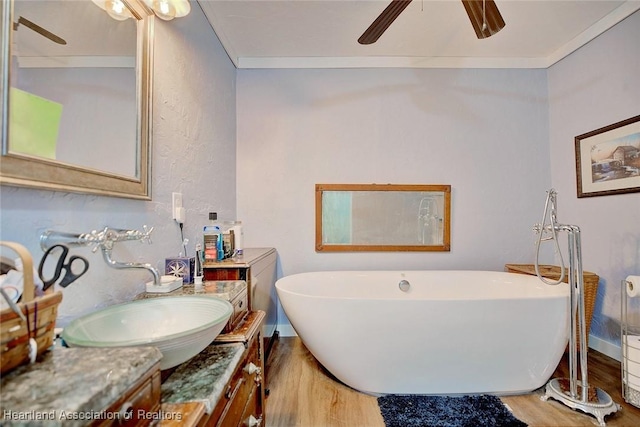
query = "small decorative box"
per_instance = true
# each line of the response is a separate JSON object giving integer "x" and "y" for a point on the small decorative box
{"x": 180, "y": 267}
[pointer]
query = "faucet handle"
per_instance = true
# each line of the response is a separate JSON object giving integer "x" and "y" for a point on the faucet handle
{"x": 146, "y": 235}
{"x": 97, "y": 238}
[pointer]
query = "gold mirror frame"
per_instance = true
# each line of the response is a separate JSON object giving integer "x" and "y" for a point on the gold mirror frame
{"x": 29, "y": 171}
{"x": 409, "y": 213}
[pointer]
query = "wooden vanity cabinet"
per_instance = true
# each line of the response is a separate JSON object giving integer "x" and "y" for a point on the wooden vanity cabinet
{"x": 242, "y": 403}
{"x": 258, "y": 268}
{"x": 242, "y": 400}
{"x": 138, "y": 405}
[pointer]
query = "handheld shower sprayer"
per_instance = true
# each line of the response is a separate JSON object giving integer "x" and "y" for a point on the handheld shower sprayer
{"x": 551, "y": 230}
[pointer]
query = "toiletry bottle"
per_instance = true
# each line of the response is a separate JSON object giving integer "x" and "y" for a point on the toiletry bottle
{"x": 220, "y": 246}
{"x": 238, "y": 237}
{"x": 211, "y": 236}
{"x": 228, "y": 238}
{"x": 198, "y": 272}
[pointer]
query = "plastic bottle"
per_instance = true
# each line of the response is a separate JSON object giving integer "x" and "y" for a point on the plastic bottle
{"x": 198, "y": 273}
{"x": 212, "y": 240}
{"x": 238, "y": 236}
{"x": 220, "y": 246}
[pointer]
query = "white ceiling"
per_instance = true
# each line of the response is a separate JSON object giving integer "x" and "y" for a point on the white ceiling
{"x": 428, "y": 34}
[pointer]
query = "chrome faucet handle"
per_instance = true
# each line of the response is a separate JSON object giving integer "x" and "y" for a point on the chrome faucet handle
{"x": 539, "y": 229}
{"x": 146, "y": 235}
{"x": 97, "y": 238}
{"x": 103, "y": 239}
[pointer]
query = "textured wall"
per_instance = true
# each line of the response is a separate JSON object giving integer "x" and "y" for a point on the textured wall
{"x": 193, "y": 152}
{"x": 482, "y": 131}
{"x": 500, "y": 137}
{"x": 594, "y": 87}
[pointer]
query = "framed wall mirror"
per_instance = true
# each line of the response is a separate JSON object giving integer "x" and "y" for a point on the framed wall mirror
{"x": 383, "y": 217}
{"x": 75, "y": 90}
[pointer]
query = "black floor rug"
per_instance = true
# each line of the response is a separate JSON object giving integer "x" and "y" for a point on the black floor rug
{"x": 445, "y": 411}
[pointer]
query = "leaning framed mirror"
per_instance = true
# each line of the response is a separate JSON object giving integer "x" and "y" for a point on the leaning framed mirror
{"x": 75, "y": 96}
{"x": 383, "y": 217}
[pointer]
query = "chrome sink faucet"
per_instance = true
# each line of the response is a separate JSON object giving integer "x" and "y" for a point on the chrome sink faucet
{"x": 104, "y": 240}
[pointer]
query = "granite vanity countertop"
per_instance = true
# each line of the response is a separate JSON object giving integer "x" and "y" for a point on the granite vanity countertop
{"x": 71, "y": 383}
{"x": 225, "y": 289}
{"x": 203, "y": 378}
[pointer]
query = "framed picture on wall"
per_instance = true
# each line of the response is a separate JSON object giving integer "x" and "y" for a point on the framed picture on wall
{"x": 608, "y": 159}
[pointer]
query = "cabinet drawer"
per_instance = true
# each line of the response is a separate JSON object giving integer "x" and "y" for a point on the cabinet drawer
{"x": 252, "y": 410}
{"x": 139, "y": 406}
{"x": 236, "y": 403}
{"x": 243, "y": 395}
{"x": 240, "y": 307}
{"x": 224, "y": 274}
{"x": 238, "y": 396}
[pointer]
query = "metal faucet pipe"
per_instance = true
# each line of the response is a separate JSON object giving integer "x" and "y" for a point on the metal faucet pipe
{"x": 51, "y": 238}
{"x": 106, "y": 255}
{"x": 121, "y": 235}
{"x": 104, "y": 239}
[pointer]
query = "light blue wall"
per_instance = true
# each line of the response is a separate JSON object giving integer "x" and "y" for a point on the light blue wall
{"x": 596, "y": 86}
{"x": 194, "y": 133}
{"x": 499, "y": 137}
{"x": 484, "y": 132}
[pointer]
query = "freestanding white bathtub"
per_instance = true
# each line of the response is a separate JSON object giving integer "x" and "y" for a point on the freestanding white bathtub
{"x": 451, "y": 332}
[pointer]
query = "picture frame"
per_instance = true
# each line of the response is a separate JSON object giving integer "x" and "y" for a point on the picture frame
{"x": 608, "y": 159}
{"x": 383, "y": 217}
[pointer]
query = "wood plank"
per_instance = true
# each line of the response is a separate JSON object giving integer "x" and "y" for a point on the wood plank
{"x": 604, "y": 372}
{"x": 303, "y": 393}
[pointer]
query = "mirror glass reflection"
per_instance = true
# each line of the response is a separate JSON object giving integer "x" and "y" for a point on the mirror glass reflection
{"x": 73, "y": 86}
{"x": 76, "y": 96}
{"x": 352, "y": 217}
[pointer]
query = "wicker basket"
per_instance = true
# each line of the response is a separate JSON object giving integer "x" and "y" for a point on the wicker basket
{"x": 40, "y": 314}
{"x": 553, "y": 272}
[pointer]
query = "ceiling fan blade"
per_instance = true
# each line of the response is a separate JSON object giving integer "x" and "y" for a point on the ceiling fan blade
{"x": 38, "y": 29}
{"x": 485, "y": 17}
{"x": 383, "y": 21}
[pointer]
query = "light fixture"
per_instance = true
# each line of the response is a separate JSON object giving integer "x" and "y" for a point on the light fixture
{"x": 115, "y": 8}
{"x": 169, "y": 9}
{"x": 164, "y": 9}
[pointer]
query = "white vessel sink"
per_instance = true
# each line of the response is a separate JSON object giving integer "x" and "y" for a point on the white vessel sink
{"x": 180, "y": 327}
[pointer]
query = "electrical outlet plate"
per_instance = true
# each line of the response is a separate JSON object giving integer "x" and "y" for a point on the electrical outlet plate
{"x": 176, "y": 204}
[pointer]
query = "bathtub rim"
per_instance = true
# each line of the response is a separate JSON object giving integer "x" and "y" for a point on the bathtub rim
{"x": 546, "y": 291}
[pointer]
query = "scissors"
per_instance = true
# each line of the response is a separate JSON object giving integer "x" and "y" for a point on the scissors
{"x": 70, "y": 276}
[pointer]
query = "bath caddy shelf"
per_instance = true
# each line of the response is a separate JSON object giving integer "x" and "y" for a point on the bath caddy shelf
{"x": 630, "y": 332}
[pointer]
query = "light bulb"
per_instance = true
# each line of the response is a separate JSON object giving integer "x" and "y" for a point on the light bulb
{"x": 117, "y": 10}
{"x": 164, "y": 9}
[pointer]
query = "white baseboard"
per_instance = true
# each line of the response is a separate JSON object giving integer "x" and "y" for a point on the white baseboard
{"x": 286, "y": 330}
{"x": 605, "y": 347}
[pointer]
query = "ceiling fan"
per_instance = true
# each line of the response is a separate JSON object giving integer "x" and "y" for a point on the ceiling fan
{"x": 484, "y": 15}
{"x": 38, "y": 29}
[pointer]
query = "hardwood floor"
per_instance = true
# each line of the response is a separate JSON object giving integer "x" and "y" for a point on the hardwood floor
{"x": 304, "y": 394}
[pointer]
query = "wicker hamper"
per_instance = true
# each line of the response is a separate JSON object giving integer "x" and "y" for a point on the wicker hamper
{"x": 40, "y": 314}
{"x": 553, "y": 272}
